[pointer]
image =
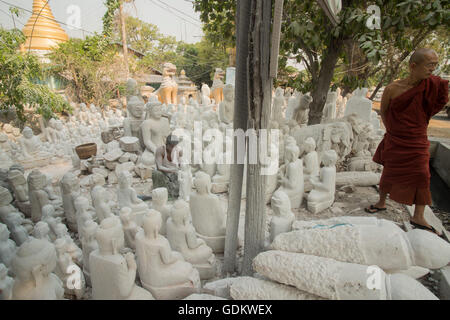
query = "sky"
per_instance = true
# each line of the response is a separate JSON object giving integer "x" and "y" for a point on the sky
{"x": 173, "y": 17}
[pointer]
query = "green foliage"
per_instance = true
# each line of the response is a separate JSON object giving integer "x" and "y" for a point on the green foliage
{"x": 91, "y": 67}
{"x": 18, "y": 75}
{"x": 108, "y": 18}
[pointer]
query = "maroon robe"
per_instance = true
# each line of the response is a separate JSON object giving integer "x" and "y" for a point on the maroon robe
{"x": 404, "y": 150}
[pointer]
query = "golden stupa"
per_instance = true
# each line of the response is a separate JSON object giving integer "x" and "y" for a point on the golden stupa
{"x": 47, "y": 33}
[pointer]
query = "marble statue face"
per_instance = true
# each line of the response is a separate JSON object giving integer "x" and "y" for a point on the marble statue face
{"x": 27, "y": 133}
{"x": 156, "y": 111}
{"x": 137, "y": 110}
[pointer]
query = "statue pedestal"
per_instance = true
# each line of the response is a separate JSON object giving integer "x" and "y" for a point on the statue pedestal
{"x": 217, "y": 244}
{"x": 317, "y": 207}
{"x": 177, "y": 292}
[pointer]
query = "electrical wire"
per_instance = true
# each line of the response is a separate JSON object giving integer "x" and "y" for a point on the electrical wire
{"x": 169, "y": 10}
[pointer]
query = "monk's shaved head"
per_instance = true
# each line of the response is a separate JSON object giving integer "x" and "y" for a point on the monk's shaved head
{"x": 418, "y": 56}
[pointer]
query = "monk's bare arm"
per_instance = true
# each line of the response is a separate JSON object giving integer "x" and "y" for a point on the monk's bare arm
{"x": 385, "y": 99}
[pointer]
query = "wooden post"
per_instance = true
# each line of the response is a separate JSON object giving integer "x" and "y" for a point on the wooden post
{"x": 239, "y": 122}
{"x": 124, "y": 38}
{"x": 259, "y": 97}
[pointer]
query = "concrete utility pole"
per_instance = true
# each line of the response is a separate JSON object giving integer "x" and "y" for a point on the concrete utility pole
{"x": 124, "y": 37}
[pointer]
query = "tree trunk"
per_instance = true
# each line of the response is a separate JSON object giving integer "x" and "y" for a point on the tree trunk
{"x": 239, "y": 122}
{"x": 320, "y": 91}
{"x": 260, "y": 91}
{"x": 124, "y": 38}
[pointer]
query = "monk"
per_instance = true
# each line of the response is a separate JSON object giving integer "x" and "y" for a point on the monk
{"x": 406, "y": 108}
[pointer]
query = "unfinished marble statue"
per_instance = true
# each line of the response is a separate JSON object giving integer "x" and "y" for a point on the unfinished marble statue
{"x": 7, "y": 246}
{"x": 208, "y": 215}
{"x": 19, "y": 187}
{"x": 185, "y": 180}
{"x": 217, "y": 88}
{"x": 340, "y": 104}
{"x": 136, "y": 115}
{"x": 101, "y": 200}
{"x": 31, "y": 146}
{"x": 84, "y": 213}
{"x": 322, "y": 196}
{"x": 127, "y": 197}
{"x": 130, "y": 227}
{"x": 311, "y": 159}
{"x": 292, "y": 105}
{"x": 154, "y": 132}
{"x": 112, "y": 273}
{"x": 33, "y": 266}
{"x": 68, "y": 272}
{"x": 163, "y": 271}
{"x": 70, "y": 190}
{"x": 359, "y": 104}
{"x": 88, "y": 244}
{"x": 301, "y": 115}
{"x": 282, "y": 217}
{"x": 206, "y": 92}
{"x": 226, "y": 107}
{"x": 38, "y": 197}
{"x": 12, "y": 218}
{"x": 6, "y": 283}
{"x": 182, "y": 238}
{"x": 337, "y": 280}
{"x": 290, "y": 176}
{"x": 366, "y": 240}
{"x": 248, "y": 288}
{"x": 329, "y": 110}
{"x": 159, "y": 203}
{"x": 278, "y": 106}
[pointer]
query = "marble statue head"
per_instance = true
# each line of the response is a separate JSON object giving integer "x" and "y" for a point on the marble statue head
{"x": 202, "y": 182}
{"x": 110, "y": 236}
{"x": 52, "y": 123}
{"x": 151, "y": 223}
{"x": 90, "y": 228}
{"x": 136, "y": 107}
{"x": 180, "y": 212}
{"x": 17, "y": 166}
{"x": 156, "y": 111}
{"x": 4, "y": 232}
{"x": 280, "y": 203}
{"x": 61, "y": 230}
{"x": 41, "y": 230}
{"x": 35, "y": 258}
{"x": 160, "y": 196}
{"x": 60, "y": 245}
{"x": 125, "y": 215}
{"x": 81, "y": 204}
{"x": 279, "y": 92}
{"x": 292, "y": 152}
{"x": 83, "y": 107}
{"x": 5, "y": 197}
{"x": 69, "y": 183}
{"x": 48, "y": 211}
{"x": 309, "y": 144}
{"x": 329, "y": 158}
{"x": 228, "y": 92}
{"x": 132, "y": 87}
{"x": 37, "y": 180}
{"x": 124, "y": 179}
{"x": 27, "y": 133}
{"x": 97, "y": 179}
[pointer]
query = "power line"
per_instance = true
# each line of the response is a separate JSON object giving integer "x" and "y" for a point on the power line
{"x": 168, "y": 5}
{"x": 169, "y": 10}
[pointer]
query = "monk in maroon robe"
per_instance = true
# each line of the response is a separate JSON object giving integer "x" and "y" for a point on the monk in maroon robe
{"x": 406, "y": 108}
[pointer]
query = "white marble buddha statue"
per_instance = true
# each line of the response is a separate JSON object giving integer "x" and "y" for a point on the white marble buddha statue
{"x": 282, "y": 217}
{"x": 185, "y": 180}
{"x": 136, "y": 116}
{"x": 42, "y": 231}
{"x": 130, "y": 227}
{"x": 226, "y": 107}
{"x": 291, "y": 175}
{"x": 113, "y": 274}
{"x": 278, "y": 106}
{"x": 7, "y": 246}
{"x": 88, "y": 244}
{"x": 84, "y": 214}
{"x": 19, "y": 187}
{"x": 206, "y": 93}
{"x": 13, "y": 220}
{"x": 66, "y": 269}
{"x": 33, "y": 266}
{"x": 322, "y": 196}
{"x": 127, "y": 197}
{"x": 311, "y": 159}
{"x": 6, "y": 283}
{"x": 159, "y": 203}
{"x": 101, "y": 200}
{"x": 208, "y": 215}
{"x": 154, "y": 132}
{"x": 162, "y": 271}
{"x": 37, "y": 195}
{"x": 183, "y": 238}
{"x": 70, "y": 190}
{"x": 31, "y": 145}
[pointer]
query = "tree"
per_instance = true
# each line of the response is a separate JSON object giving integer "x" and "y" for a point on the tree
{"x": 19, "y": 73}
{"x": 91, "y": 67}
{"x": 309, "y": 36}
